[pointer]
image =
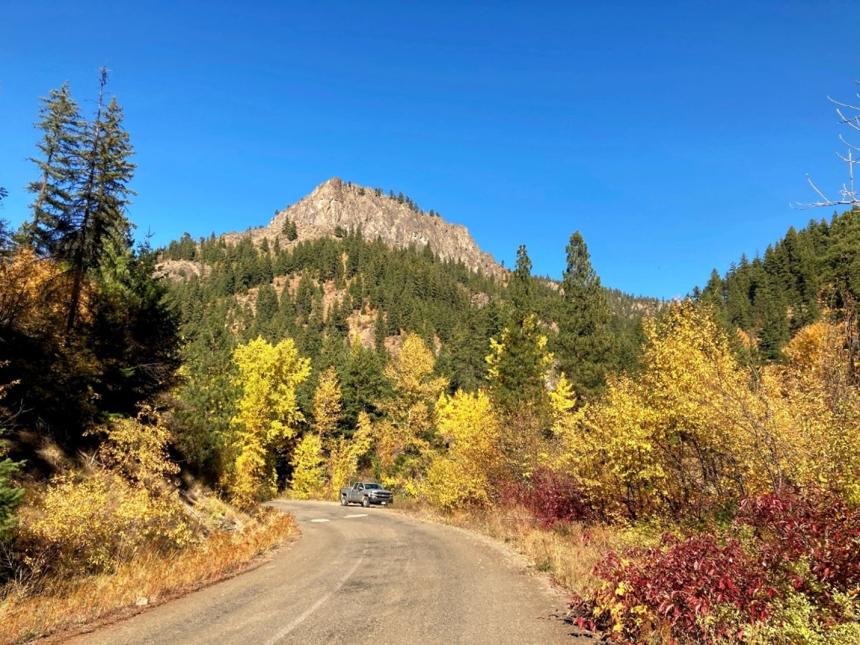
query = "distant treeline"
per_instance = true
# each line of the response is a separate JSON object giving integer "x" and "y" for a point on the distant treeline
{"x": 773, "y": 296}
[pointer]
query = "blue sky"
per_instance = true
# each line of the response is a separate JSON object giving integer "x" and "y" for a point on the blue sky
{"x": 673, "y": 135}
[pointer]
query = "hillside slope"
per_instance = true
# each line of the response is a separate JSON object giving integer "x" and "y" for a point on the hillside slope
{"x": 803, "y": 275}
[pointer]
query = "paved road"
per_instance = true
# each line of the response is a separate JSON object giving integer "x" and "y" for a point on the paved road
{"x": 362, "y": 576}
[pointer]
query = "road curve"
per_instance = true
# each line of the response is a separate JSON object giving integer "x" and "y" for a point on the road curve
{"x": 361, "y": 576}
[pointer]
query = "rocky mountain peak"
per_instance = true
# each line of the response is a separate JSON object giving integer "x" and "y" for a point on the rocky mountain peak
{"x": 336, "y": 206}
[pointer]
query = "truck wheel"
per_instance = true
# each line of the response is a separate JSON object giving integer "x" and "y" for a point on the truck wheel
{"x": 343, "y": 501}
{"x": 365, "y": 502}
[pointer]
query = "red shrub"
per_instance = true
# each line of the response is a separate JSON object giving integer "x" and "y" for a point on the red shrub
{"x": 815, "y": 526}
{"x": 552, "y": 498}
{"x": 807, "y": 543}
{"x": 684, "y": 580}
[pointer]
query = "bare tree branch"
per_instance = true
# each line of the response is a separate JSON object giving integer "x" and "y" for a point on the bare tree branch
{"x": 848, "y": 143}
{"x": 849, "y": 115}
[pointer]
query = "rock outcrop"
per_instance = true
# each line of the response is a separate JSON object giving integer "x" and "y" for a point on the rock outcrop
{"x": 336, "y": 206}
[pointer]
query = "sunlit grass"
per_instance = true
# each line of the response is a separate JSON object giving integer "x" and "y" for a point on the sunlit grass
{"x": 66, "y": 605}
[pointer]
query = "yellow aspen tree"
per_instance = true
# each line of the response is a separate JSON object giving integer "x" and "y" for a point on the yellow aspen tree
{"x": 309, "y": 468}
{"x": 327, "y": 403}
{"x": 613, "y": 453}
{"x": 406, "y": 431}
{"x": 562, "y": 398}
{"x": 464, "y": 473}
{"x": 346, "y": 453}
{"x": 822, "y": 432}
{"x": 690, "y": 377}
{"x": 566, "y": 422}
{"x": 667, "y": 437}
{"x": 267, "y": 414}
{"x": 309, "y": 461}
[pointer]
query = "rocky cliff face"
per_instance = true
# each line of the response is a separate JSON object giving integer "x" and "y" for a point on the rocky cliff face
{"x": 337, "y": 205}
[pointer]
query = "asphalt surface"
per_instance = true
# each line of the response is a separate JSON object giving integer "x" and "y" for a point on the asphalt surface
{"x": 362, "y": 576}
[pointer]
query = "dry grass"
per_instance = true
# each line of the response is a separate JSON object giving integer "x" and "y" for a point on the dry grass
{"x": 66, "y": 606}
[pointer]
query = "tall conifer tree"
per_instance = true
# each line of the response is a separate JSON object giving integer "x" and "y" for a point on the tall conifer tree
{"x": 518, "y": 360}
{"x": 522, "y": 289}
{"x": 52, "y": 229}
{"x": 99, "y": 215}
{"x": 583, "y": 343}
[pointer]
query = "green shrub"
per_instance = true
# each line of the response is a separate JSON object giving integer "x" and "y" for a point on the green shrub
{"x": 10, "y": 497}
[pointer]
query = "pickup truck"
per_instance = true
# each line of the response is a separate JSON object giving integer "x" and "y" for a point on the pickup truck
{"x": 365, "y": 493}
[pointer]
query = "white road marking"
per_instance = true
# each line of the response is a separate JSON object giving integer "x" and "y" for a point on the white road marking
{"x": 321, "y": 519}
{"x": 319, "y": 603}
{"x": 357, "y": 515}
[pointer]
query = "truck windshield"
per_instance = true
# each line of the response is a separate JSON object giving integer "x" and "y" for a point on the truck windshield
{"x": 372, "y": 486}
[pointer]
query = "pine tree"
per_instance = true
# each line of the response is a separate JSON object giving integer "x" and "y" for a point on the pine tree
{"x": 771, "y": 311}
{"x": 102, "y": 197}
{"x": 583, "y": 341}
{"x": 521, "y": 287}
{"x": 208, "y": 393}
{"x": 517, "y": 368}
{"x": 712, "y": 294}
{"x": 363, "y": 384}
{"x": 379, "y": 334}
{"x": 267, "y": 303}
{"x": 518, "y": 362}
{"x": 290, "y": 230}
{"x": 127, "y": 351}
{"x": 463, "y": 353}
{"x": 304, "y": 296}
{"x": 53, "y": 228}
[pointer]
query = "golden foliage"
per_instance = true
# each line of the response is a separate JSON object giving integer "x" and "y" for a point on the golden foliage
{"x": 137, "y": 449}
{"x": 89, "y": 521}
{"x": 411, "y": 371}
{"x": 65, "y": 603}
{"x": 660, "y": 440}
{"x": 268, "y": 377}
{"x": 566, "y": 417}
{"x": 345, "y": 454}
{"x": 327, "y": 403}
{"x": 562, "y": 398}
{"x": 267, "y": 414}
{"x": 32, "y": 294}
{"x": 404, "y": 434}
{"x": 309, "y": 468}
{"x": 696, "y": 428}
{"x": 463, "y": 474}
{"x": 818, "y": 409}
